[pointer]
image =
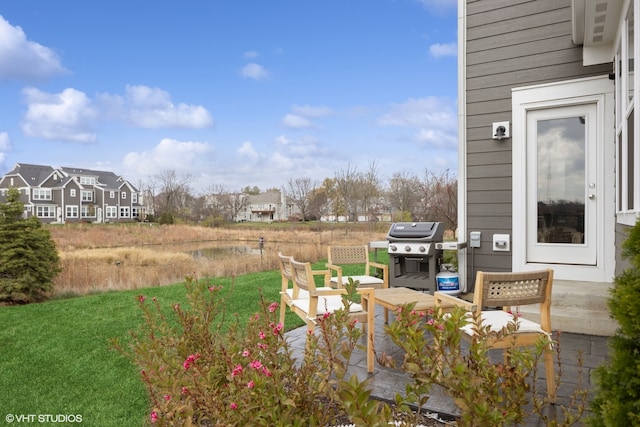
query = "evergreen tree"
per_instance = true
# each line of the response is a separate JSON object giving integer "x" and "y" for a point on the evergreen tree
{"x": 28, "y": 257}
{"x": 617, "y": 396}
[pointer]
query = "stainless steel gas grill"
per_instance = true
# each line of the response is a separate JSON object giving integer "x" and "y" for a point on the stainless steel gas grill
{"x": 414, "y": 259}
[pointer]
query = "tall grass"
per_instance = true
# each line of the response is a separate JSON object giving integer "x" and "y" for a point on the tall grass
{"x": 130, "y": 256}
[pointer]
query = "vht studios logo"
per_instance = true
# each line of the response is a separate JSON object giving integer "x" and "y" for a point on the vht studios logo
{"x": 43, "y": 418}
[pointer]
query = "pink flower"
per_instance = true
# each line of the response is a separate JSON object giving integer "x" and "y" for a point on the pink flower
{"x": 326, "y": 315}
{"x": 185, "y": 390}
{"x": 141, "y": 298}
{"x": 236, "y": 371}
{"x": 251, "y": 384}
{"x": 154, "y": 417}
{"x": 233, "y": 405}
{"x": 262, "y": 346}
{"x": 262, "y": 335}
{"x": 277, "y": 329}
{"x": 273, "y": 306}
{"x": 430, "y": 322}
{"x": 167, "y": 397}
{"x": 190, "y": 359}
{"x": 256, "y": 364}
{"x": 266, "y": 371}
{"x": 246, "y": 353}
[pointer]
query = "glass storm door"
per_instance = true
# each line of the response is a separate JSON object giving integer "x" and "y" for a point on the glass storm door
{"x": 561, "y": 185}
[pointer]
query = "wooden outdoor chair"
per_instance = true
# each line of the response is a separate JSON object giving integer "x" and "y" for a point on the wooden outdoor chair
{"x": 340, "y": 256}
{"x": 327, "y": 300}
{"x": 509, "y": 290}
{"x": 288, "y": 290}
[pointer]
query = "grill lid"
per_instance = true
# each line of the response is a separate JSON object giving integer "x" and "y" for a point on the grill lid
{"x": 416, "y": 231}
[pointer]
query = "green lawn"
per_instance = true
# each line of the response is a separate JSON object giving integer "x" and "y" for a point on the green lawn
{"x": 57, "y": 359}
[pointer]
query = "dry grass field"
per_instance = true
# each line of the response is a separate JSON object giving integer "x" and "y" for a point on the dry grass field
{"x": 104, "y": 257}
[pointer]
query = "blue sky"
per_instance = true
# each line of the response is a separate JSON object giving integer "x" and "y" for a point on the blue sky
{"x": 234, "y": 93}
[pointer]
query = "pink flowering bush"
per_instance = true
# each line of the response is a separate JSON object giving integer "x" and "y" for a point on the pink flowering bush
{"x": 200, "y": 373}
{"x": 487, "y": 393}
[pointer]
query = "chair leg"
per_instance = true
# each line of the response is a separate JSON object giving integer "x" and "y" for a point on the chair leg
{"x": 283, "y": 308}
{"x": 550, "y": 374}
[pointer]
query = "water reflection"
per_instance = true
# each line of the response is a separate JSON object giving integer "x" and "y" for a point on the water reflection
{"x": 212, "y": 250}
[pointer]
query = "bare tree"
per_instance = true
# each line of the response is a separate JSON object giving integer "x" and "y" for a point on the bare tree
{"x": 234, "y": 203}
{"x": 299, "y": 191}
{"x": 403, "y": 194}
{"x": 369, "y": 190}
{"x": 318, "y": 202}
{"x": 346, "y": 188}
{"x": 445, "y": 201}
{"x": 174, "y": 192}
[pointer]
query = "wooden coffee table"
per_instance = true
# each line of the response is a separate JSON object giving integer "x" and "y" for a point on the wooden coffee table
{"x": 393, "y": 298}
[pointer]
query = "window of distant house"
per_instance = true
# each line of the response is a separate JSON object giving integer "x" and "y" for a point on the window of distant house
{"x": 41, "y": 194}
{"x": 628, "y": 196}
{"x": 123, "y": 195}
{"x": 45, "y": 211}
{"x": 88, "y": 211}
{"x": 72, "y": 193}
{"x": 134, "y": 198}
{"x": 124, "y": 212}
{"x": 111, "y": 212}
{"x": 135, "y": 212}
{"x": 71, "y": 211}
{"x": 87, "y": 180}
{"x": 112, "y": 194}
{"x": 87, "y": 196}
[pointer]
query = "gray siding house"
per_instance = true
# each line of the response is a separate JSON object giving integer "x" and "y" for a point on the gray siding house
{"x": 73, "y": 195}
{"x": 549, "y": 163}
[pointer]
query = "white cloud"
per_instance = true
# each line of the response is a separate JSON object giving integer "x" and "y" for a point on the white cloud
{"x": 5, "y": 145}
{"x": 68, "y": 115}
{"x": 23, "y": 59}
{"x": 251, "y": 54}
{"x": 169, "y": 154}
{"x": 433, "y": 120}
{"x": 247, "y": 150}
{"x": 439, "y": 50}
{"x": 294, "y": 121}
{"x": 311, "y": 111}
{"x": 254, "y": 71}
{"x": 152, "y": 108}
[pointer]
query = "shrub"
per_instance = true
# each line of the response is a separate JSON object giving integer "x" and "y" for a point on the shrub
{"x": 617, "y": 394}
{"x": 487, "y": 393}
{"x": 198, "y": 371}
{"x": 28, "y": 257}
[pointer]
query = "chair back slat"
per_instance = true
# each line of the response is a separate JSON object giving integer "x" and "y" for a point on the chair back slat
{"x": 284, "y": 262}
{"x": 513, "y": 289}
{"x": 303, "y": 276}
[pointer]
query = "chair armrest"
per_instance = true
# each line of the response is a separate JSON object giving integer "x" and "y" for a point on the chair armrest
{"x": 443, "y": 299}
{"x": 385, "y": 271}
{"x": 338, "y": 270}
{"x": 325, "y": 273}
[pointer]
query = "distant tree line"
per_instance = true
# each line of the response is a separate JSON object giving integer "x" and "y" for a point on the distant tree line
{"x": 350, "y": 194}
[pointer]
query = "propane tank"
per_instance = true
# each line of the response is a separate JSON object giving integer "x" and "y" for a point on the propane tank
{"x": 448, "y": 280}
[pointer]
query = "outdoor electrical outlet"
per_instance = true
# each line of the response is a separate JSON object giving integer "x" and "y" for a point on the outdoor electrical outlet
{"x": 501, "y": 243}
{"x": 474, "y": 239}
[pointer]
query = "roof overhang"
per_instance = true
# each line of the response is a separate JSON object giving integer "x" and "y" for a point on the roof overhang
{"x": 595, "y": 26}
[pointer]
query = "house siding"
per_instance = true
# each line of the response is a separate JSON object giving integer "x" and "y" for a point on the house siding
{"x": 509, "y": 43}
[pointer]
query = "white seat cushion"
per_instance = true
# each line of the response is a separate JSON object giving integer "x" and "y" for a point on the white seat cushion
{"x": 304, "y": 294}
{"x": 327, "y": 304}
{"x": 363, "y": 280}
{"x": 499, "y": 319}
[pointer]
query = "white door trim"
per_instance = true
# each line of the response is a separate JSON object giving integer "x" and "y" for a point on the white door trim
{"x": 598, "y": 90}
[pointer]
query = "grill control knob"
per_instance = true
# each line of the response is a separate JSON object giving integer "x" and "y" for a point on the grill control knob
{"x": 407, "y": 248}
{"x": 422, "y": 249}
{"x": 393, "y": 247}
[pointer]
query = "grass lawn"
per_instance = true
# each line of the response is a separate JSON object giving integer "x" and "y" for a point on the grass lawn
{"x": 57, "y": 359}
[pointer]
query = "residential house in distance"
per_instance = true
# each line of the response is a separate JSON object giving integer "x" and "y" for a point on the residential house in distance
{"x": 62, "y": 195}
{"x": 267, "y": 207}
{"x": 549, "y": 164}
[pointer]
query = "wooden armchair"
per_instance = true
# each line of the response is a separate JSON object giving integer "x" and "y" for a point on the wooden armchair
{"x": 288, "y": 290}
{"x": 327, "y": 300}
{"x": 509, "y": 290}
{"x": 339, "y": 256}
